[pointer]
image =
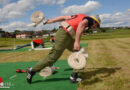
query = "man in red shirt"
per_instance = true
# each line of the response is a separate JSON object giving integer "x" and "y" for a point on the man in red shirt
{"x": 67, "y": 37}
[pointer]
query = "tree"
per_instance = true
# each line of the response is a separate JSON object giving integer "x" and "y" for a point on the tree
{"x": 16, "y": 31}
{"x": 102, "y": 29}
{"x": 54, "y": 30}
{"x": 88, "y": 31}
{"x": 1, "y": 30}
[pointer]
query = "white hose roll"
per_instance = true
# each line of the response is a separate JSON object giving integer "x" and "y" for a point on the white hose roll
{"x": 77, "y": 60}
{"x": 47, "y": 71}
{"x": 37, "y": 17}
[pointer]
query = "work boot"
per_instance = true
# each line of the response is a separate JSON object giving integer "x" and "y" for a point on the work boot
{"x": 30, "y": 74}
{"x": 74, "y": 78}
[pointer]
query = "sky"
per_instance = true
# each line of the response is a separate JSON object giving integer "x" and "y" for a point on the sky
{"x": 15, "y": 14}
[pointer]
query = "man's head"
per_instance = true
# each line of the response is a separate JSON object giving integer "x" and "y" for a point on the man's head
{"x": 96, "y": 21}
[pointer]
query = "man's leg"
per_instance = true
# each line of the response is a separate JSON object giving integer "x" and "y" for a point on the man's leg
{"x": 74, "y": 78}
{"x": 51, "y": 58}
{"x": 61, "y": 42}
{"x": 70, "y": 46}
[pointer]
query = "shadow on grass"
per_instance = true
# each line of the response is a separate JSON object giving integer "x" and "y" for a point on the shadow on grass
{"x": 91, "y": 76}
{"x": 68, "y": 69}
{"x": 97, "y": 74}
{"x": 51, "y": 80}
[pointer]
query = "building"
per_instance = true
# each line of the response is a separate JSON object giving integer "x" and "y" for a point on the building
{"x": 24, "y": 35}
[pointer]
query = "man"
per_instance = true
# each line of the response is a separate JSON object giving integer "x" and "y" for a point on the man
{"x": 64, "y": 39}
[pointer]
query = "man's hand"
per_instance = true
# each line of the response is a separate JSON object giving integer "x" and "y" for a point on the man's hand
{"x": 46, "y": 21}
{"x": 77, "y": 46}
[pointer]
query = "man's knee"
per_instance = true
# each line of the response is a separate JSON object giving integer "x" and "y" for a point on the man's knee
{"x": 55, "y": 54}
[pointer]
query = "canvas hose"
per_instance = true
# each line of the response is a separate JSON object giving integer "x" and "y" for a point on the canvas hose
{"x": 37, "y": 17}
{"x": 47, "y": 71}
{"x": 77, "y": 60}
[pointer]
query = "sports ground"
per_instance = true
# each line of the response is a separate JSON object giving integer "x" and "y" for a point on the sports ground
{"x": 107, "y": 66}
{"x": 58, "y": 81}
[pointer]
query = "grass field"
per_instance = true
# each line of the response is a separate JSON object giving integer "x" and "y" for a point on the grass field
{"x": 110, "y": 34}
{"x": 107, "y": 66}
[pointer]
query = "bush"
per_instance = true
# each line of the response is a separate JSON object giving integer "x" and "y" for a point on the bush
{"x": 102, "y": 30}
{"x": 89, "y": 31}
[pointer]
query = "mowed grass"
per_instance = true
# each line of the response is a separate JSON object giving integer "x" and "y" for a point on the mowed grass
{"x": 109, "y": 34}
{"x": 107, "y": 66}
{"x": 6, "y": 43}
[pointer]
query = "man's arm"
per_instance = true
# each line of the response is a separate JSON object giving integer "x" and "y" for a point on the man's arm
{"x": 81, "y": 27}
{"x": 58, "y": 19}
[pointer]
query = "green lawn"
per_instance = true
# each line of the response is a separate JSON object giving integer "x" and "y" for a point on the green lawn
{"x": 109, "y": 34}
{"x": 58, "y": 81}
{"x": 11, "y": 42}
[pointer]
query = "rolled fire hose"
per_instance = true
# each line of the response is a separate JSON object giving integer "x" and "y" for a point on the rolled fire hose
{"x": 77, "y": 60}
{"x": 36, "y": 18}
{"x": 48, "y": 71}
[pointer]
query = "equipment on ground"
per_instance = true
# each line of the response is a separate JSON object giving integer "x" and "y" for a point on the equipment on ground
{"x": 39, "y": 44}
{"x": 40, "y": 48}
{"x": 48, "y": 71}
{"x": 77, "y": 60}
{"x": 20, "y": 71}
